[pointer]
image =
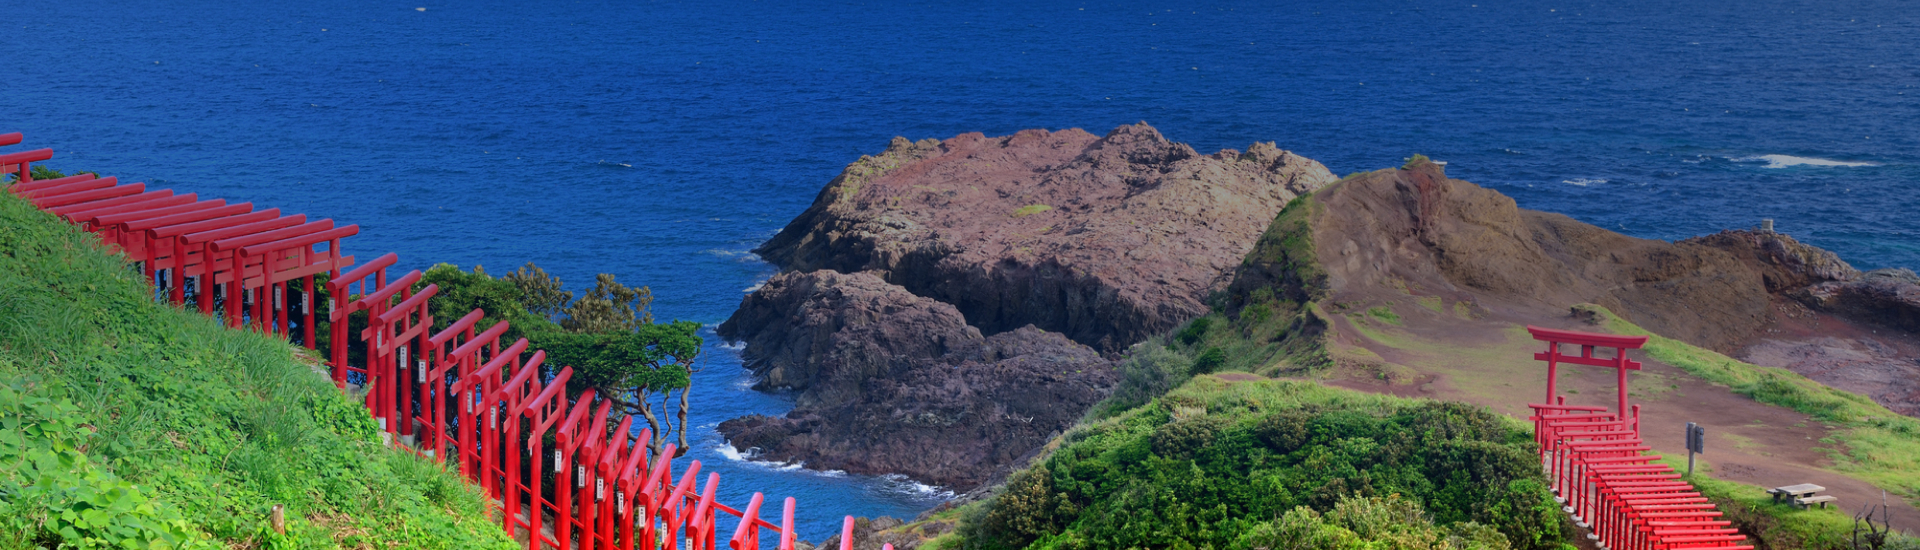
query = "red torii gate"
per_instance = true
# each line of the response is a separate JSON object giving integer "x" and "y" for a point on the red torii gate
{"x": 1587, "y": 342}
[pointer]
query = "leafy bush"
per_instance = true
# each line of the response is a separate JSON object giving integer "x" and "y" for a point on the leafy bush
{"x": 1194, "y": 331}
{"x": 1149, "y": 370}
{"x": 1285, "y": 431}
{"x": 1209, "y": 361}
{"x": 1183, "y": 438}
{"x": 53, "y": 495}
{"x": 1203, "y": 465}
{"x": 1368, "y": 523}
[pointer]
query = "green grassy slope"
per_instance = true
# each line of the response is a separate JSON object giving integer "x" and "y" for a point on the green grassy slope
{"x": 126, "y": 422}
{"x": 1256, "y": 463}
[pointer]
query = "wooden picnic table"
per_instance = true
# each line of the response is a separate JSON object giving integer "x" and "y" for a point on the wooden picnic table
{"x": 1801, "y": 495}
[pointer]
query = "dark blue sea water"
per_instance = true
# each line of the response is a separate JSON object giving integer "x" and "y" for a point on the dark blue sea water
{"x": 660, "y": 141}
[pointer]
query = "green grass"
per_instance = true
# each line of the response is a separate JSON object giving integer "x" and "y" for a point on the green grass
{"x": 1030, "y": 210}
{"x": 1878, "y": 445}
{"x": 1385, "y": 314}
{"x": 208, "y": 425}
{"x": 1217, "y": 463}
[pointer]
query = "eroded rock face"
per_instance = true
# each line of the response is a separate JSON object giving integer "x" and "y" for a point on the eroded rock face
{"x": 803, "y": 327}
{"x": 1421, "y": 226}
{"x": 1105, "y": 239}
{"x": 1888, "y": 297}
{"x": 955, "y": 421}
{"x": 1784, "y": 263}
{"x": 1415, "y": 225}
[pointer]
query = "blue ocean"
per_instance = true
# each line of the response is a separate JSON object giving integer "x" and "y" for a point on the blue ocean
{"x": 660, "y": 141}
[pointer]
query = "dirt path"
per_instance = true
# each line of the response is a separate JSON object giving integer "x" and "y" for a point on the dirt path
{"x": 1490, "y": 362}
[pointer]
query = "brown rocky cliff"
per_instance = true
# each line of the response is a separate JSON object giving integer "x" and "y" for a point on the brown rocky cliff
{"x": 802, "y": 327}
{"x": 888, "y": 382}
{"x": 1416, "y": 225}
{"x": 956, "y": 421}
{"x": 1107, "y": 239}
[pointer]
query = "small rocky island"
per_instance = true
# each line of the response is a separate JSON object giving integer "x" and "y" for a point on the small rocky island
{"x": 945, "y": 307}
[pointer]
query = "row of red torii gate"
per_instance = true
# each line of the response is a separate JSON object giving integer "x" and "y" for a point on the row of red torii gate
{"x": 256, "y": 269}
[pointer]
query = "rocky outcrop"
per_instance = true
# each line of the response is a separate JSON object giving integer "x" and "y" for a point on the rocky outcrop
{"x": 1058, "y": 245}
{"x": 1107, "y": 239}
{"x": 957, "y": 420}
{"x": 1784, "y": 263}
{"x": 1889, "y": 297}
{"x": 1377, "y": 234}
{"x": 1423, "y": 229}
{"x": 803, "y": 327}
{"x": 1819, "y": 279}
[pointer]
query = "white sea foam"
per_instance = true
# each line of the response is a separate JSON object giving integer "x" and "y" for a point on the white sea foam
{"x": 1784, "y": 161}
{"x": 906, "y": 484}
{"x": 727, "y": 450}
{"x": 756, "y": 286}
{"x": 1583, "y": 182}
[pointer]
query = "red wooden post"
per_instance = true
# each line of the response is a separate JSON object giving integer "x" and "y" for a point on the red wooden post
{"x": 608, "y": 481}
{"x": 846, "y": 534}
{"x": 481, "y": 387}
{"x": 747, "y": 535}
{"x": 786, "y": 525}
{"x": 23, "y": 160}
{"x": 524, "y": 384}
{"x": 464, "y": 358}
{"x": 676, "y": 510}
{"x": 632, "y": 474}
{"x": 542, "y": 421}
{"x": 563, "y": 483}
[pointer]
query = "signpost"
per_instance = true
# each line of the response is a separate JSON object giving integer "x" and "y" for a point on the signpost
{"x": 1696, "y": 443}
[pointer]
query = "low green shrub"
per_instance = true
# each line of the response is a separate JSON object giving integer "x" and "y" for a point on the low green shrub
{"x": 1211, "y": 463}
{"x": 51, "y": 494}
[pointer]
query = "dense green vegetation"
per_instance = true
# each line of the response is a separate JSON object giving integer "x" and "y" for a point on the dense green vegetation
{"x": 606, "y": 335}
{"x": 1279, "y": 464}
{"x": 130, "y": 423}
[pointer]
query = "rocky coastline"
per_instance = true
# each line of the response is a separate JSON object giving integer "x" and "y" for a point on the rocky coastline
{"x": 947, "y": 306}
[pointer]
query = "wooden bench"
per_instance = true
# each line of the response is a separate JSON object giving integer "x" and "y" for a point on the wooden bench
{"x": 1809, "y": 501}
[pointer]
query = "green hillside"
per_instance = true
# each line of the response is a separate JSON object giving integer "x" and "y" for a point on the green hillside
{"x": 1246, "y": 462}
{"x": 129, "y": 423}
